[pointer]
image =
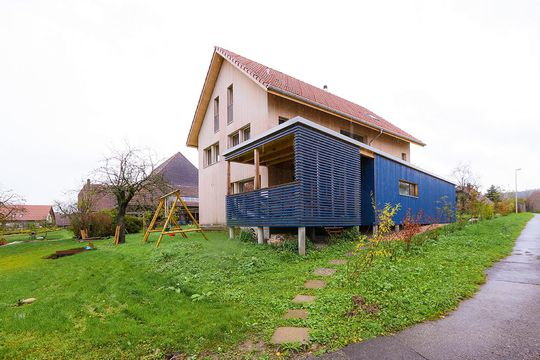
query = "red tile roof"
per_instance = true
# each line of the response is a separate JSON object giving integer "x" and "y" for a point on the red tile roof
{"x": 280, "y": 82}
{"x": 31, "y": 212}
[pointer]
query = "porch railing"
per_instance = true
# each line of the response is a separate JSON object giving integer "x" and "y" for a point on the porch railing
{"x": 273, "y": 206}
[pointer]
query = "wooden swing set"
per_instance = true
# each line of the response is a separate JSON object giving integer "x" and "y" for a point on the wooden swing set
{"x": 171, "y": 226}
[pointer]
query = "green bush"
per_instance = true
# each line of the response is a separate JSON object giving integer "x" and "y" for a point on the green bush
{"x": 486, "y": 211}
{"x": 350, "y": 235}
{"x": 134, "y": 224}
{"x": 246, "y": 236}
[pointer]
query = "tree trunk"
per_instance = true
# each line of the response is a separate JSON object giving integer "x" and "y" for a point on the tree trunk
{"x": 120, "y": 221}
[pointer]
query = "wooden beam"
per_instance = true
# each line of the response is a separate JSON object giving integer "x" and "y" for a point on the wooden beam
{"x": 228, "y": 177}
{"x": 367, "y": 153}
{"x": 257, "y": 180}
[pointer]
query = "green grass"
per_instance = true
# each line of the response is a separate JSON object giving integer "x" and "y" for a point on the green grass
{"x": 206, "y": 297}
{"x": 49, "y": 235}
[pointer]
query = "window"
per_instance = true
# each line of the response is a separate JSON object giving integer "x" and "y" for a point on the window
{"x": 216, "y": 114}
{"x": 230, "y": 104}
{"x": 282, "y": 119}
{"x": 234, "y": 139}
{"x": 242, "y": 186}
{"x": 246, "y": 133}
{"x": 408, "y": 188}
{"x": 404, "y": 156}
{"x": 239, "y": 136}
{"x": 211, "y": 155}
{"x": 353, "y": 136}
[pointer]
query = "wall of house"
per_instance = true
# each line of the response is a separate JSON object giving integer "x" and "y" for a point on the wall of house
{"x": 250, "y": 107}
{"x": 279, "y": 106}
{"x": 436, "y": 199}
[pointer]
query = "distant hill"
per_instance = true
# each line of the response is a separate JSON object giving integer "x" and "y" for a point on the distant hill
{"x": 521, "y": 194}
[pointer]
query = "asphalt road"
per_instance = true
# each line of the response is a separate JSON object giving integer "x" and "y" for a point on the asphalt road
{"x": 502, "y": 321}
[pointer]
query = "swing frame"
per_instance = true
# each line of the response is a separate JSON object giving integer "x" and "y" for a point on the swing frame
{"x": 170, "y": 215}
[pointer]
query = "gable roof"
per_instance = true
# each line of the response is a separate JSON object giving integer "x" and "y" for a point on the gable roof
{"x": 284, "y": 85}
{"x": 32, "y": 212}
{"x": 179, "y": 171}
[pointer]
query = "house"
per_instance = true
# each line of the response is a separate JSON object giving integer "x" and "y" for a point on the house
{"x": 178, "y": 172}
{"x": 31, "y": 215}
{"x": 277, "y": 152}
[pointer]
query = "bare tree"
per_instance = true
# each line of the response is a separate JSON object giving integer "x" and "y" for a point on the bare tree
{"x": 9, "y": 208}
{"x": 124, "y": 174}
{"x": 467, "y": 189}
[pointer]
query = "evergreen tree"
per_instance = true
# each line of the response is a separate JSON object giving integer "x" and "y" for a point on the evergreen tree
{"x": 494, "y": 194}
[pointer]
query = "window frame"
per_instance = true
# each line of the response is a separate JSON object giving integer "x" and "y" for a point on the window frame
{"x": 241, "y": 133}
{"x": 211, "y": 155}
{"x": 216, "y": 114}
{"x": 230, "y": 102}
{"x": 411, "y": 186}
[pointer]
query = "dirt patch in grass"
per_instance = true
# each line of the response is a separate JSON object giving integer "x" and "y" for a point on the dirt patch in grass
{"x": 68, "y": 252}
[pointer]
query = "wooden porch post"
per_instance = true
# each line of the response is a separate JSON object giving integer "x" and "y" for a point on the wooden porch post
{"x": 257, "y": 181}
{"x": 228, "y": 177}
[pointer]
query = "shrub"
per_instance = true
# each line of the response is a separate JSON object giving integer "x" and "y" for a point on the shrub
{"x": 486, "y": 211}
{"x": 349, "y": 235}
{"x": 246, "y": 235}
{"x": 133, "y": 224}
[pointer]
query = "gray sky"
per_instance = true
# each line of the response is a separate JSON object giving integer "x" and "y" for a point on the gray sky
{"x": 78, "y": 78}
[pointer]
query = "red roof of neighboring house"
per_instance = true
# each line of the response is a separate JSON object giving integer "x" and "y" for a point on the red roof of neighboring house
{"x": 283, "y": 83}
{"x": 32, "y": 212}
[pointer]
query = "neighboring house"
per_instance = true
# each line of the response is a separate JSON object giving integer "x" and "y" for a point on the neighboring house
{"x": 178, "y": 172}
{"x": 277, "y": 152}
{"x": 62, "y": 220}
{"x": 35, "y": 215}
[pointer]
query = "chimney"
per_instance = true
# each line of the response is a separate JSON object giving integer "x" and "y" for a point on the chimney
{"x": 88, "y": 181}
{"x": 325, "y": 87}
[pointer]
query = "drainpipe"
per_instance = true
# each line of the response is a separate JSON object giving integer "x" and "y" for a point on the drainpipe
{"x": 376, "y": 137}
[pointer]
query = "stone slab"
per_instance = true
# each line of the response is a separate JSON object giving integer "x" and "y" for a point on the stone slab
{"x": 284, "y": 335}
{"x": 314, "y": 284}
{"x": 296, "y": 314}
{"x": 301, "y": 299}
{"x": 337, "y": 262}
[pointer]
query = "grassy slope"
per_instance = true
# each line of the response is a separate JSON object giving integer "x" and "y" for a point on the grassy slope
{"x": 136, "y": 300}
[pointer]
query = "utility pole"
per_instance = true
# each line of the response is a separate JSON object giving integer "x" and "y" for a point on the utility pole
{"x": 516, "y": 171}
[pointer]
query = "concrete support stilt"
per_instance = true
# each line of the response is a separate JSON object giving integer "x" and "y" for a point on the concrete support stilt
{"x": 260, "y": 235}
{"x": 375, "y": 229}
{"x": 397, "y": 228}
{"x": 231, "y": 232}
{"x": 302, "y": 240}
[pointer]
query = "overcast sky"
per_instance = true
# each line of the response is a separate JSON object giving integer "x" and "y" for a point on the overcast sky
{"x": 78, "y": 78}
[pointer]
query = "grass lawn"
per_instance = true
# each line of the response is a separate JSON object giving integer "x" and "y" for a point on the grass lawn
{"x": 207, "y": 297}
{"x": 49, "y": 235}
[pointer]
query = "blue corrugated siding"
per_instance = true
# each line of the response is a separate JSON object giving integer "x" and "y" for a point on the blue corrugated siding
{"x": 328, "y": 170}
{"x": 433, "y": 193}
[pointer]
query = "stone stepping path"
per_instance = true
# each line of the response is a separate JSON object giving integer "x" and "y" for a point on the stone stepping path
{"x": 303, "y": 299}
{"x": 287, "y": 334}
{"x": 314, "y": 284}
{"x": 296, "y": 314}
{"x": 324, "y": 272}
{"x": 284, "y": 335}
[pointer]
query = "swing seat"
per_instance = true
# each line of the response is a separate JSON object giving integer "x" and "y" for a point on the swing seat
{"x": 171, "y": 234}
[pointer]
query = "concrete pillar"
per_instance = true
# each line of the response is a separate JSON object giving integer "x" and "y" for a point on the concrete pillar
{"x": 397, "y": 228}
{"x": 231, "y": 232}
{"x": 375, "y": 229}
{"x": 302, "y": 240}
{"x": 260, "y": 235}
{"x": 266, "y": 232}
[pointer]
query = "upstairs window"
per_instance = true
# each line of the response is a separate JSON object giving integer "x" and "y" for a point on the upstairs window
{"x": 282, "y": 119}
{"x": 230, "y": 104}
{"x": 353, "y": 136}
{"x": 216, "y": 114}
{"x": 211, "y": 155}
{"x": 407, "y": 188}
{"x": 404, "y": 156}
{"x": 239, "y": 136}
